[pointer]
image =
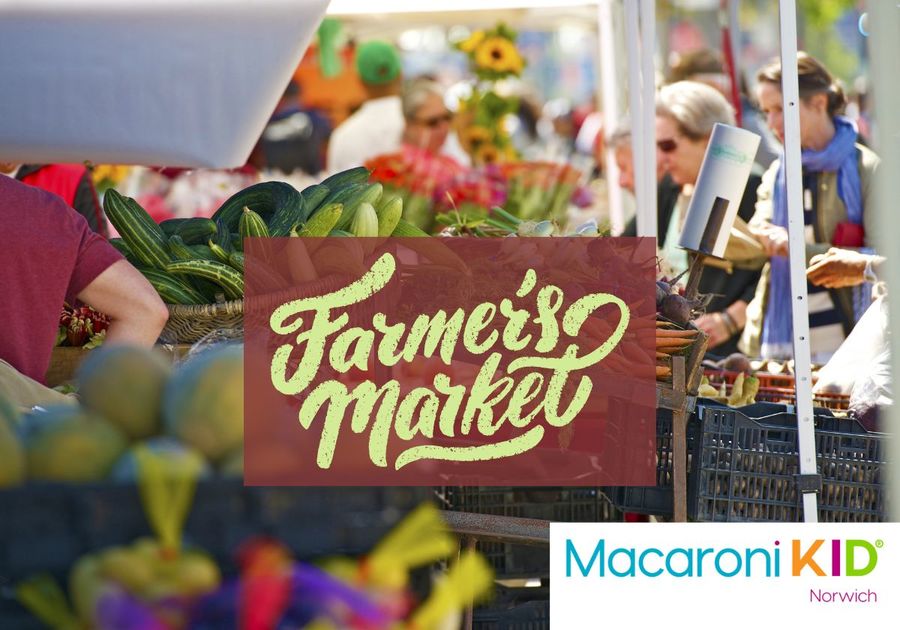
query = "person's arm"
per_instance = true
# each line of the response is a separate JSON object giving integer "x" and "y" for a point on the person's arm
{"x": 136, "y": 312}
{"x": 839, "y": 268}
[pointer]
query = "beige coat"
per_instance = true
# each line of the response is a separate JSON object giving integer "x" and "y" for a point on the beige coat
{"x": 831, "y": 212}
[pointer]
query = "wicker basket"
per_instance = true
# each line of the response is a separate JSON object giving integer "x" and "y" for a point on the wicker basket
{"x": 189, "y": 323}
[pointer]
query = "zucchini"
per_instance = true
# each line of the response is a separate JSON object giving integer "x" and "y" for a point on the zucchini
{"x": 170, "y": 225}
{"x": 252, "y": 225}
{"x": 202, "y": 252}
{"x": 231, "y": 281}
{"x": 370, "y": 194}
{"x": 323, "y": 221}
{"x": 313, "y": 196}
{"x": 265, "y": 199}
{"x": 179, "y": 250}
{"x": 197, "y": 230}
{"x": 140, "y": 232}
{"x": 171, "y": 289}
{"x": 236, "y": 260}
{"x": 356, "y": 175}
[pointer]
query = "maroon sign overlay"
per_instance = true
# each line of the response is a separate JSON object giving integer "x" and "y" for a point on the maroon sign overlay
{"x": 453, "y": 361}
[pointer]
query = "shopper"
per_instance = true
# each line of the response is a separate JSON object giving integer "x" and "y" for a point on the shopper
{"x": 49, "y": 256}
{"x": 426, "y": 119}
{"x": 837, "y": 184}
{"x": 377, "y": 127}
{"x": 685, "y": 115}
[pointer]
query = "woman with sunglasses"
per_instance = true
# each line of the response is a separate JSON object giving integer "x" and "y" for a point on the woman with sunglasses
{"x": 427, "y": 118}
{"x": 686, "y": 112}
{"x": 837, "y": 176}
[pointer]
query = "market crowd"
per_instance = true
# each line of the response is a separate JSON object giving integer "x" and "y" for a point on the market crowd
{"x": 750, "y": 288}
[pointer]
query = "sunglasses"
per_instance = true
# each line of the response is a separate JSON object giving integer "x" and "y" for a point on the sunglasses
{"x": 435, "y": 121}
{"x": 667, "y": 146}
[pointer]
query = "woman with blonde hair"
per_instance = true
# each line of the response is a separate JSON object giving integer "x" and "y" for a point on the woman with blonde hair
{"x": 686, "y": 113}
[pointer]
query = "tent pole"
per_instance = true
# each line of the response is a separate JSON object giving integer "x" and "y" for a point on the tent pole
{"x": 632, "y": 44}
{"x": 648, "y": 98}
{"x": 884, "y": 24}
{"x": 796, "y": 237}
{"x": 611, "y": 114}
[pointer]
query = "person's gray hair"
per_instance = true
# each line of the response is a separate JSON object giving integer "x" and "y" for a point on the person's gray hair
{"x": 694, "y": 107}
{"x": 620, "y": 136}
{"x": 416, "y": 92}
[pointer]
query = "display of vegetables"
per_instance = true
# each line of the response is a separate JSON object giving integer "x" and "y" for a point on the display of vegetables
{"x": 201, "y": 261}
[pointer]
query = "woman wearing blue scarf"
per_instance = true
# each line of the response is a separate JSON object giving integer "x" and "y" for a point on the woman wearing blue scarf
{"x": 837, "y": 174}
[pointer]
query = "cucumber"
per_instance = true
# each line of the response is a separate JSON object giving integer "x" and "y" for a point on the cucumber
{"x": 252, "y": 225}
{"x": 236, "y": 260}
{"x": 220, "y": 253}
{"x": 356, "y": 175}
{"x": 196, "y": 231}
{"x": 265, "y": 199}
{"x": 231, "y": 281}
{"x": 389, "y": 215}
{"x": 237, "y": 243}
{"x": 370, "y": 194}
{"x": 323, "y": 221}
{"x": 140, "y": 232}
{"x": 170, "y": 225}
{"x": 313, "y": 196}
{"x": 202, "y": 252}
{"x": 179, "y": 250}
{"x": 171, "y": 289}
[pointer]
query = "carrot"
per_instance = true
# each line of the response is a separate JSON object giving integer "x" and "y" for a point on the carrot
{"x": 663, "y": 355}
{"x": 672, "y": 344}
{"x": 663, "y": 371}
{"x": 663, "y": 324}
{"x": 676, "y": 334}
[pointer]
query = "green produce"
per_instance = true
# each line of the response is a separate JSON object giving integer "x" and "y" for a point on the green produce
{"x": 265, "y": 199}
{"x": 197, "y": 230}
{"x": 171, "y": 289}
{"x": 357, "y": 175}
{"x": 231, "y": 281}
{"x": 369, "y": 194}
{"x": 70, "y": 444}
{"x": 365, "y": 222}
{"x": 313, "y": 196}
{"x": 140, "y": 232}
{"x": 389, "y": 213}
{"x": 124, "y": 385}
{"x": 170, "y": 225}
{"x": 203, "y": 403}
{"x": 252, "y": 225}
{"x": 323, "y": 221}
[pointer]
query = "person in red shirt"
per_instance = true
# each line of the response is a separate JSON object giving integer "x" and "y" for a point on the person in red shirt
{"x": 49, "y": 255}
{"x": 72, "y": 182}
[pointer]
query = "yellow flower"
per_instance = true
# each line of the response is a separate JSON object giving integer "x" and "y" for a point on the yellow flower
{"x": 109, "y": 172}
{"x": 472, "y": 42}
{"x": 498, "y": 54}
{"x": 487, "y": 154}
{"x": 476, "y": 136}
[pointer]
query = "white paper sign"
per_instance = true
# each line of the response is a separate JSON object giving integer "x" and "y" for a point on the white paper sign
{"x": 719, "y": 189}
{"x": 729, "y": 575}
{"x": 153, "y": 82}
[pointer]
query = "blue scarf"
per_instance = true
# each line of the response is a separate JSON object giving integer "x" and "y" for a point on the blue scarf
{"x": 839, "y": 156}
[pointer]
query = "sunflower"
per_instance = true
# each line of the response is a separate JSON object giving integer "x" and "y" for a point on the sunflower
{"x": 487, "y": 154}
{"x": 476, "y": 136}
{"x": 470, "y": 44}
{"x": 498, "y": 54}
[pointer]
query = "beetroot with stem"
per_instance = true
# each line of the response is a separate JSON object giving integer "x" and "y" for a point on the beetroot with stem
{"x": 676, "y": 308}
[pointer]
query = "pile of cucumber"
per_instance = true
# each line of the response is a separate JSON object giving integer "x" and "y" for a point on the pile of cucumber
{"x": 201, "y": 261}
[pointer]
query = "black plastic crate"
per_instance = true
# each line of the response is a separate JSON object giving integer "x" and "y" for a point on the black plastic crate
{"x": 746, "y": 469}
{"x": 555, "y": 504}
{"x": 530, "y": 616}
{"x": 46, "y": 527}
